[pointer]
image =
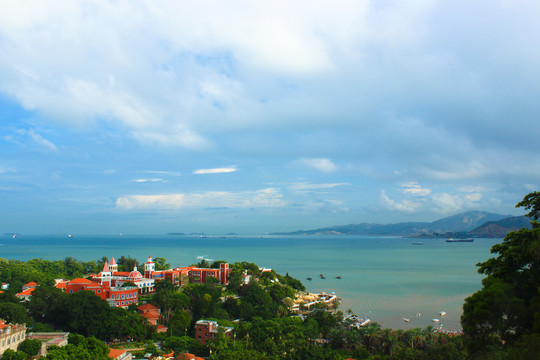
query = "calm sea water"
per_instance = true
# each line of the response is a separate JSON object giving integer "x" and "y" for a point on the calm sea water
{"x": 384, "y": 278}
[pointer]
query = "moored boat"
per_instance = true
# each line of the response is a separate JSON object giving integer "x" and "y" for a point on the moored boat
{"x": 459, "y": 240}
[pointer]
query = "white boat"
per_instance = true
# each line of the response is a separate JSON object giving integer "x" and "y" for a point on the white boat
{"x": 366, "y": 322}
{"x": 435, "y": 320}
{"x": 442, "y": 313}
{"x": 406, "y": 320}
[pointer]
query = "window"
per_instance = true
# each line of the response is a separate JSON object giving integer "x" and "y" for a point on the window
{"x": 99, "y": 291}
{"x": 122, "y": 296}
{"x": 118, "y": 303}
{"x": 71, "y": 291}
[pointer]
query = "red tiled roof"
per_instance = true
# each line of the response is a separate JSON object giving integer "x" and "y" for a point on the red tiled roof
{"x": 61, "y": 285}
{"x": 150, "y": 316}
{"x": 147, "y": 307}
{"x": 188, "y": 356}
{"x": 114, "y": 353}
{"x": 80, "y": 281}
{"x": 161, "y": 328}
{"x": 112, "y": 261}
{"x": 31, "y": 283}
{"x": 105, "y": 267}
{"x": 26, "y": 292}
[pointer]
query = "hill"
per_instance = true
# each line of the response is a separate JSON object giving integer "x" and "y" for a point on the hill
{"x": 500, "y": 228}
{"x": 462, "y": 222}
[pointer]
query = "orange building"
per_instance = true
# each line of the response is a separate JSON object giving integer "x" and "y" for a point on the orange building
{"x": 192, "y": 273}
{"x": 150, "y": 312}
{"x": 115, "y": 296}
{"x": 207, "y": 329}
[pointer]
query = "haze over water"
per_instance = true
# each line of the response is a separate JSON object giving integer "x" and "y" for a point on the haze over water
{"x": 384, "y": 278}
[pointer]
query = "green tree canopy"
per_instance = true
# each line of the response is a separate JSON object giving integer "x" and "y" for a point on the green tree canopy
{"x": 508, "y": 306}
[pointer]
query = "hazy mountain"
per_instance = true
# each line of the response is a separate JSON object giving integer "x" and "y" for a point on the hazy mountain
{"x": 500, "y": 228}
{"x": 465, "y": 222}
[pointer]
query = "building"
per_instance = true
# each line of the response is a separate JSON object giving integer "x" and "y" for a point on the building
{"x": 116, "y": 296}
{"x": 150, "y": 312}
{"x": 108, "y": 284}
{"x": 27, "y": 290}
{"x": 118, "y": 354}
{"x": 208, "y": 329}
{"x": 118, "y": 278}
{"x": 11, "y": 335}
{"x": 182, "y": 275}
{"x": 49, "y": 339}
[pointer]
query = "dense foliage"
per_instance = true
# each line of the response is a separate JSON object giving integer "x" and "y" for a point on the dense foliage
{"x": 504, "y": 316}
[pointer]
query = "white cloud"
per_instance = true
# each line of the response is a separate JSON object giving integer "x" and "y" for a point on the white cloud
{"x": 446, "y": 203}
{"x": 308, "y": 186}
{"x": 414, "y": 188}
{"x": 406, "y": 206}
{"x": 38, "y": 139}
{"x": 473, "y": 197}
{"x": 147, "y": 180}
{"x": 165, "y": 202}
{"x": 269, "y": 197}
{"x": 320, "y": 164}
{"x": 214, "y": 171}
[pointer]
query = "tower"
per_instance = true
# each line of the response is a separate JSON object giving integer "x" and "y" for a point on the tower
{"x": 149, "y": 268}
{"x": 106, "y": 275}
{"x": 113, "y": 266}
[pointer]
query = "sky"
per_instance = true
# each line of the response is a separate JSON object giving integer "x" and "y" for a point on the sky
{"x": 261, "y": 116}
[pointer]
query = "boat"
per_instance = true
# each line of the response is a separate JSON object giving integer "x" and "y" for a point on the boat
{"x": 338, "y": 277}
{"x": 406, "y": 320}
{"x": 442, "y": 313}
{"x": 418, "y": 243}
{"x": 459, "y": 240}
{"x": 418, "y": 314}
{"x": 309, "y": 278}
{"x": 435, "y": 320}
{"x": 322, "y": 276}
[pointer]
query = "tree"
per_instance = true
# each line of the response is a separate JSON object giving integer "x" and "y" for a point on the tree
{"x": 161, "y": 263}
{"x": 531, "y": 202}
{"x": 507, "y": 308}
{"x": 14, "y": 355}
{"x": 30, "y": 346}
{"x": 14, "y": 313}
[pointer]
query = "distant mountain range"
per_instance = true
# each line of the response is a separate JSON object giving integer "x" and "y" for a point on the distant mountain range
{"x": 502, "y": 227}
{"x": 470, "y": 223}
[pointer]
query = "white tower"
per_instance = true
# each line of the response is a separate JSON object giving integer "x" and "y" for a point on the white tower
{"x": 149, "y": 268}
{"x": 113, "y": 266}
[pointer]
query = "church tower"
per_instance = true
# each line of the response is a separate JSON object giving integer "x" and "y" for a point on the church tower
{"x": 113, "y": 266}
{"x": 106, "y": 275}
{"x": 149, "y": 268}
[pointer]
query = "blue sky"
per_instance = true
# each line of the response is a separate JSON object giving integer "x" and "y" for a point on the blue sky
{"x": 253, "y": 117}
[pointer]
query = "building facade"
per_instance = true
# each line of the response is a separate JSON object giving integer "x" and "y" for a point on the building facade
{"x": 207, "y": 329}
{"x": 115, "y": 296}
{"x": 11, "y": 335}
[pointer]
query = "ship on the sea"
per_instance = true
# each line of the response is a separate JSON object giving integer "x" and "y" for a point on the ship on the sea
{"x": 459, "y": 240}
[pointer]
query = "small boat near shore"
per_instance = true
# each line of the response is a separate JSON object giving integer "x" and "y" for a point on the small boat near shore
{"x": 406, "y": 319}
{"x": 435, "y": 320}
{"x": 309, "y": 278}
{"x": 338, "y": 277}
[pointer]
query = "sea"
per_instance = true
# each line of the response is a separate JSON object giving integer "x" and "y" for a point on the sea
{"x": 384, "y": 278}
